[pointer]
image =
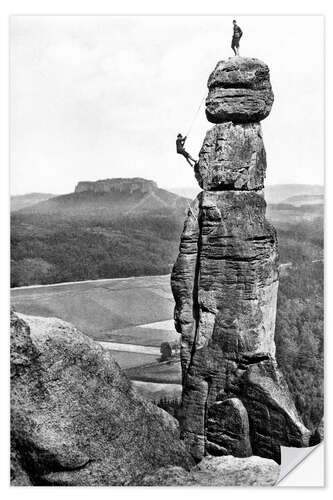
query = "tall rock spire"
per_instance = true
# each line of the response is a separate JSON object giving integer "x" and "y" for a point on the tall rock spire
{"x": 225, "y": 281}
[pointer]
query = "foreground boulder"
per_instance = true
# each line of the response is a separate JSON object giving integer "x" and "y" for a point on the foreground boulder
{"x": 218, "y": 471}
{"x": 75, "y": 419}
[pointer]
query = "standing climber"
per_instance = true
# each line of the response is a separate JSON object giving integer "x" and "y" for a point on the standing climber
{"x": 181, "y": 150}
{"x": 237, "y": 35}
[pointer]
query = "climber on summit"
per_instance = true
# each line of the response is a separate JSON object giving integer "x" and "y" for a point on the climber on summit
{"x": 181, "y": 150}
{"x": 237, "y": 35}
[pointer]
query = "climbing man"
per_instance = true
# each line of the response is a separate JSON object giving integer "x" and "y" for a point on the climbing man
{"x": 237, "y": 35}
{"x": 181, "y": 150}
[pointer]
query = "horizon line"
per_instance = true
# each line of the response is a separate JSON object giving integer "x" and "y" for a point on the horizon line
{"x": 168, "y": 188}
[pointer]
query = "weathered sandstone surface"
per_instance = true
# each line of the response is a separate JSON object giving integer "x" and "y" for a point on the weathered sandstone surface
{"x": 218, "y": 471}
{"x": 232, "y": 157}
{"x": 239, "y": 91}
{"x": 225, "y": 282}
{"x": 75, "y": 419}
{"x": 225, "y": 278}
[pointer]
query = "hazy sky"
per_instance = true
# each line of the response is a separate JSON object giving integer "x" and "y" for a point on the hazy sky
{"x": 94, "y": 97}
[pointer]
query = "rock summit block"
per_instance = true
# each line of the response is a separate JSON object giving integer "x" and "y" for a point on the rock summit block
{"x": 239, "y": 91}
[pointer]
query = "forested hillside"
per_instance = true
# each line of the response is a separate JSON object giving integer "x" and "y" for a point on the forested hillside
{"x": 54, "y": 247}
{"x": 299, "y": 332}
{"x": 49, "y": 250}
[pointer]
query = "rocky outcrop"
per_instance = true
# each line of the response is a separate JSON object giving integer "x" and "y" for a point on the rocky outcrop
{"x": 228, "y": 429}
{"x": 239, "y": 91}
{"x": 75, "y": 419}
{"x": 218, "y": 471}
{"x": 125, "y": 185}
{"x": 225, "y": 282}
{"x": 232, "y": 157}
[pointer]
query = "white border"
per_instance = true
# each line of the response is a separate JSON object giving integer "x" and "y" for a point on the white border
{"x": 141, "y": 7}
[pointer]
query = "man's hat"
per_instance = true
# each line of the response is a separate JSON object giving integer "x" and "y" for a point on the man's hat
{"x": 179, "y": 135}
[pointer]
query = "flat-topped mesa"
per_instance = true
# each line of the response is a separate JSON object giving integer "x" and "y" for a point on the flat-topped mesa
{"x": 119, "y": 184}
{"x": 239, "y": 91}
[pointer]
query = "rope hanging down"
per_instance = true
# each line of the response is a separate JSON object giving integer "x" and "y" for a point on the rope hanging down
{"x": 195, "y": 116}
{"x": 190, "y": 209}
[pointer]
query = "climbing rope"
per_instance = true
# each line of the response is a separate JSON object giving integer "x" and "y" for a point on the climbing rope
{"x": 190, "y": 209}
{"x": 195, "y": 116}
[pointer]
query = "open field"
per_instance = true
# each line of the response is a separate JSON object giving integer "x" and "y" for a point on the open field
{"x": 139, "y": 349}
{"x": 141, "y": 335}
{"x": 131, "y": 317}
{"x": 103, "y": 308}
{"x": 155, "y": 392}
{"x": 127, "y": 359}
{"x": 167, "y": 373}
{"x": 129, "y": 355}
